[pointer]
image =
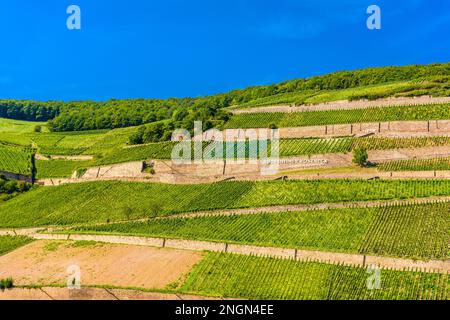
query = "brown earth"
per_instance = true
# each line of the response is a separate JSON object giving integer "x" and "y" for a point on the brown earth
{"x": 46, "y": 263}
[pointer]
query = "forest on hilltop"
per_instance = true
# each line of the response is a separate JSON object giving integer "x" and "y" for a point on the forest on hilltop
{"x": 181, "y": 112}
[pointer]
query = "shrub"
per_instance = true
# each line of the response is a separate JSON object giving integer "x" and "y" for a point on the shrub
{"x": 38, "y": 128}
{"x": 360, "y": 156}
{"x": 6, "y": 284}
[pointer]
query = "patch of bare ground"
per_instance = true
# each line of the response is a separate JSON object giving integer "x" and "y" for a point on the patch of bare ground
{"x": 68, "y": 158}
{"x": 45, "y": 263}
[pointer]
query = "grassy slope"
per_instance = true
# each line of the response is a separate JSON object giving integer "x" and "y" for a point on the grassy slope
{"x": 230, "y": 275}
{"x": 17, "y": 126}
{"x": 57, "y": 168}
{"x": 15, "y": 159}
{"x": 9, "y": 243}
{"x": 113, "y": 200}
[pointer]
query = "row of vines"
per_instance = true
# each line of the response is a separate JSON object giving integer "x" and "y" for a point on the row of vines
{"x": 252, "y": 277}
{"x": 330, "y": 117}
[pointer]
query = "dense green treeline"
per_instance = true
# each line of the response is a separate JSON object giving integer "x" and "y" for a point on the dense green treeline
{"x": 89, "y": 115}
{"x": 30, "y": 110}
{"x": 345, "y": 80}
{"x": 10, "y": 188}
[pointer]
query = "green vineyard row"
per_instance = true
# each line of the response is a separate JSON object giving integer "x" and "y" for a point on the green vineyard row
{"x": 413, "y": 231}
{"x": 115, "y": 200}
{"x": 330, "y": 117}
{"x": 251, "y": 277}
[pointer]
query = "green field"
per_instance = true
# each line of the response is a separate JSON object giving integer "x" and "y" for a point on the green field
{"x": 330, "y": 117}
{"x": 114, "y": 200}
{"x": 57, "y": 168}
{"x": 16, "y": 159}
{"x": 18, "y": 126}
{"x": 10, "y": 243}
{"x": 435, "y": 164}
{"x": 415, "y": 231}
{"x": 237, "y": 276}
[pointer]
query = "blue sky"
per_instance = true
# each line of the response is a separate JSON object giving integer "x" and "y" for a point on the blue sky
{"x": 176, "y": 48}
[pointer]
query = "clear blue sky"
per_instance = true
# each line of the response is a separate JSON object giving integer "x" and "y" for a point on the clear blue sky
{"x": 149, "y": 48}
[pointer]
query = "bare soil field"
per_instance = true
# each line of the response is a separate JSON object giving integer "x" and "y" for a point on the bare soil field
{"x": 46, "y": 263}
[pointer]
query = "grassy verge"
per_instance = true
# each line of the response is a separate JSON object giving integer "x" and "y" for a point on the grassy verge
{"x": 10, "y": 243}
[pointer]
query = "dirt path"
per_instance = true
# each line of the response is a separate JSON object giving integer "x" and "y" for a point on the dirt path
{"x": 67, "y": 158}
{"x": 184, "y": 179}
{"x": 346, "y": 105}
{"x": 55, "y": 293}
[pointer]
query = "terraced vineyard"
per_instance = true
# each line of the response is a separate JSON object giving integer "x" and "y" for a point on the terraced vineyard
{"x": 435, "y": 164}
{"x": 412, "y": 231}
{"x": 271, "y": 220}
{"x": 329, "y": 117}
{"x": 16, "y": 159}
{"x": 415, "y": 231}
{"x": 230, "y": 275}
{"x": 293, "y": 147}
{"x": 58, "y": 168}
{"x": 113, "y": 200}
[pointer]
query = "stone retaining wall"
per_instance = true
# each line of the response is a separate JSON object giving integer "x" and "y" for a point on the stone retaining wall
{"x": 414, "y": 128}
